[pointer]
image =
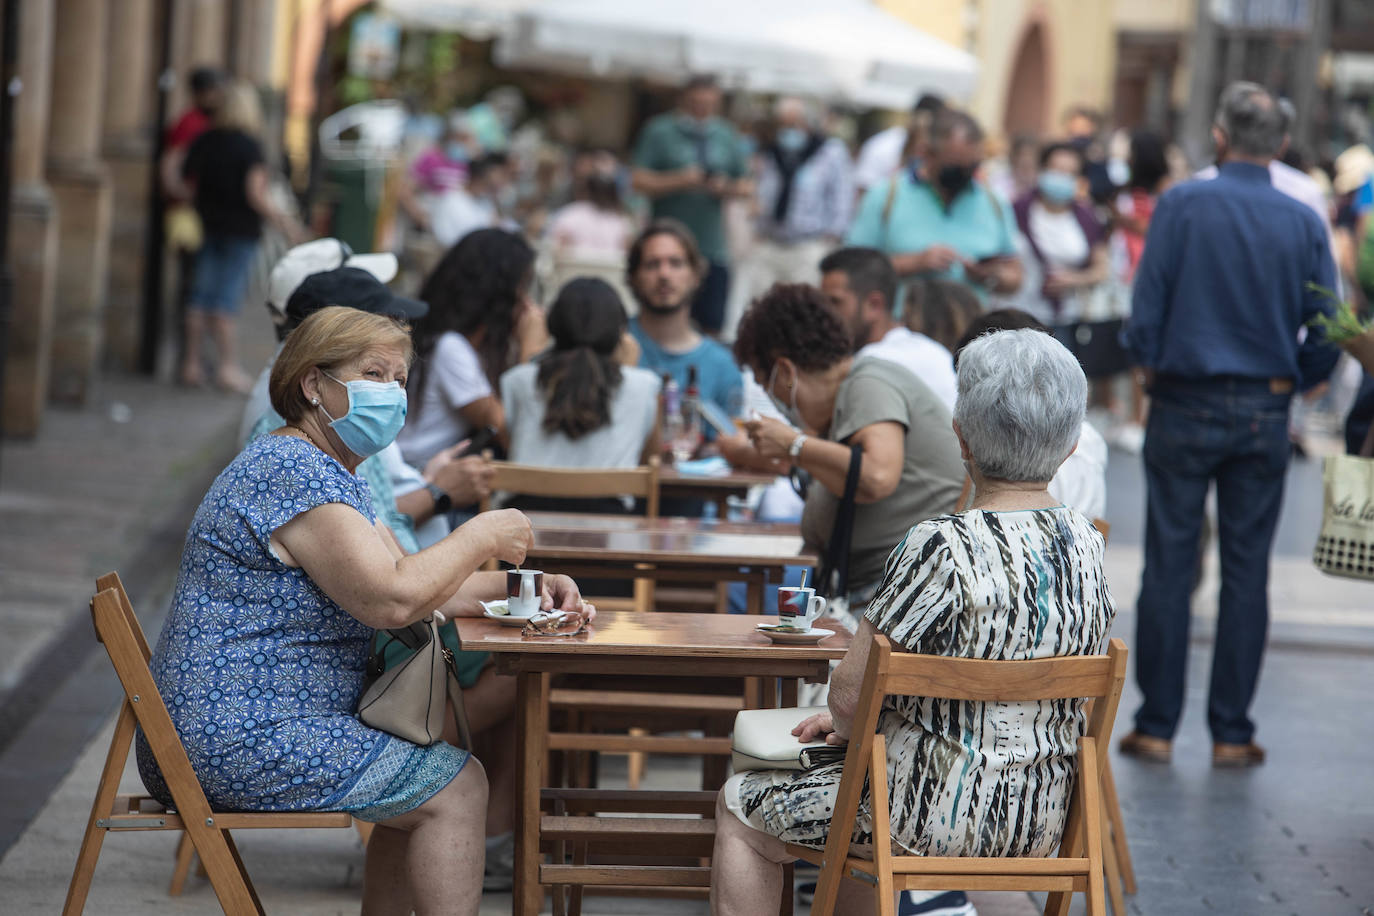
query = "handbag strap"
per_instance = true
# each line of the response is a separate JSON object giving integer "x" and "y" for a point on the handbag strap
{"x": 455, "y": 698}
{"x": 834, "y": 577}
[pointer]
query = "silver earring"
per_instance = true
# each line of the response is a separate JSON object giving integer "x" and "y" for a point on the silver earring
{"x": 315, "y": 401}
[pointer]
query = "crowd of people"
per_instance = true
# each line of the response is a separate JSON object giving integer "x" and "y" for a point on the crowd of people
{"x": 937, "y": 323}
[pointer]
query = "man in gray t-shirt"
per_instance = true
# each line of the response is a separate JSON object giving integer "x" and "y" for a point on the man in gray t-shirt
{"x": 878, "y": 391}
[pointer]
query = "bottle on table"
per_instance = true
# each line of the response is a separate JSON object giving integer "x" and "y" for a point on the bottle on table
{"x": 670, "y": 402}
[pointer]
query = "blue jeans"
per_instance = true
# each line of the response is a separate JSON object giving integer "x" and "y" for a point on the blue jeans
{"x": 1233, "y": 431}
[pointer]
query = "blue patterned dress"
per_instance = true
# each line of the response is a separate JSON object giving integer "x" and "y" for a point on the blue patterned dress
{"x": 261, "y": 671}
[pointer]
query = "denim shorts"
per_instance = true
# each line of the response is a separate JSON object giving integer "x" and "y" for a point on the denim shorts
{"x": 223, "y": 266}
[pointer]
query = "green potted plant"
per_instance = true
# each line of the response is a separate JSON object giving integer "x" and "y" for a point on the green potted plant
{"x": 1345, "y": 328}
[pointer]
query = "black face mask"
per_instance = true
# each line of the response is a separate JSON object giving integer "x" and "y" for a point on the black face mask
{"x": 953, "y": 179}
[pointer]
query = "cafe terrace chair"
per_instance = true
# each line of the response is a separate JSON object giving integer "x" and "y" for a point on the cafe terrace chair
{"x": 1116, "y": 851}
{"x": 579, "y": 483}
{"x": 1079, "y": 865}
{"x": 208, "y": 830}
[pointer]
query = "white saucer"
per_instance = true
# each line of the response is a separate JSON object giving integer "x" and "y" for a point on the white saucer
{"x": 788, "y": 636}
{"x": 506, "y": 620}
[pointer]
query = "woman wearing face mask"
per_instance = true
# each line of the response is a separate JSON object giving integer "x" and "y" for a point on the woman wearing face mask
{"x": 1067, "y": 245}
{"x": 910, "y": 470}
{"x": 936, "y": 217}
{"x": 286, "y": 574}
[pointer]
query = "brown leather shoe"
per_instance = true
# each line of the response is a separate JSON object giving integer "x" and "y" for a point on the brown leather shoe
{"x": 1146, "y": 747}
{"x": 1237, "y": 755}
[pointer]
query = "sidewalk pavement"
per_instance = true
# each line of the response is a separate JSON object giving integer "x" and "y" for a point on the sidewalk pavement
{"x": 113, "y": 487}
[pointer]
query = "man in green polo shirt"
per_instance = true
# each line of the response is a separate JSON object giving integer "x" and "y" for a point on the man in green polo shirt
{"x": 937, "y": 219}
{"x": 688, "y": 162}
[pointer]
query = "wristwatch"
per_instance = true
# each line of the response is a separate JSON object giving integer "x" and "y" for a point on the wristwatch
{"x": 442, "y": 501}
{"x": 794, "y": 450}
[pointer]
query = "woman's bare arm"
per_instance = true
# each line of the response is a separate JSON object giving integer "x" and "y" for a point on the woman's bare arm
{"x": 353, "y": 563}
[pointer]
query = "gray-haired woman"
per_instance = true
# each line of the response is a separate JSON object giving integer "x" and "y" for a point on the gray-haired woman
{"x": 1017, "y": 576}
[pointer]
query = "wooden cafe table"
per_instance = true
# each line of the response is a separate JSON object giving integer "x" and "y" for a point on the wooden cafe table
{"x": 692, "y": 646}
{"x": 681, "y": 549}
{"x": 673, "y": 484}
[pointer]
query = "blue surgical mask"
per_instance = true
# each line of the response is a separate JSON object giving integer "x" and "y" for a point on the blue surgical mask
{"x": 791, "y": 139}
{"x": 376, "y": 413}
{"x": 1057, "y": 187}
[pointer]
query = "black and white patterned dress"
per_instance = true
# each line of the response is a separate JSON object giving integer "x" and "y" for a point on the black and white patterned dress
{"x": 967, "y": 778}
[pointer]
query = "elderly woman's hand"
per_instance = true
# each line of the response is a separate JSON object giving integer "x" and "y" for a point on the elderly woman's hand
{"x": 813, "y": 727}
{"x": 771, "y": 437}
{"x": 508, "y": 532}
{"x": 561, "y": 592}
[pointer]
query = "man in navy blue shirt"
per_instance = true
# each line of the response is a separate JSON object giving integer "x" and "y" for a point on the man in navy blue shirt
{"x": 1221, "y": 299}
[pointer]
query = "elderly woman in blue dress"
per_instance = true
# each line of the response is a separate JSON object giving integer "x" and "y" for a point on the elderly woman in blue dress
{"x": 286, "y": 574}
{"x": 1017, "y": 576}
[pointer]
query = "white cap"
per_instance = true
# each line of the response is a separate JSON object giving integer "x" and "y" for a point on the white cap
{"x": 317, "y": 257}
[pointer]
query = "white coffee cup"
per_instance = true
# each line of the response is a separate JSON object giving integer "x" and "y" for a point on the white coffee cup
{"x": 524, "y": 591}
{"x": 799, "y": 607}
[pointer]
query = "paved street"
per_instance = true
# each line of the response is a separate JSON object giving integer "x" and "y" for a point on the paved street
{"x": 1295, "y": 836}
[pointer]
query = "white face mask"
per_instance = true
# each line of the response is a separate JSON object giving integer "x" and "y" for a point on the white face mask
{"x": 789, "y": 411}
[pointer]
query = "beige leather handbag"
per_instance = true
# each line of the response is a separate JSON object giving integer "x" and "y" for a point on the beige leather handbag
{"x": 763, "y": 739}
{"x": 407, "y": 700}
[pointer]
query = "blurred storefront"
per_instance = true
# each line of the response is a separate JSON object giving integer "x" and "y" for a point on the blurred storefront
{"x": 1036, "y": 58}
{"x": 92, "y": 78}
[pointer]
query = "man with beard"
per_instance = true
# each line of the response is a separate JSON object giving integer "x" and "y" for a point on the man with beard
{"x": 664, "y": 269}
{"x": 860, "y": 286}
{"x": 936, "y": 218}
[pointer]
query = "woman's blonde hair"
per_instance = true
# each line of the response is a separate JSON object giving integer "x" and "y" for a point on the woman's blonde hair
{"x": 240, "y": 109}
{"x": 331, "y": 337}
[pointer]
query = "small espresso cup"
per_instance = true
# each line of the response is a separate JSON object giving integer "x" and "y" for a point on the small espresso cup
{"x": 524, "y": 591}
{"x": 799, "y": 607}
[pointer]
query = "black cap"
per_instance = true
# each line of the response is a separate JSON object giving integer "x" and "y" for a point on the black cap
{"x": 352, "y": 288}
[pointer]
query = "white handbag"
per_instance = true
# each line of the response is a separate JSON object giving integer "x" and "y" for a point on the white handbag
{"x": 1345, "y": 546}
{"x": 764, "y": 740}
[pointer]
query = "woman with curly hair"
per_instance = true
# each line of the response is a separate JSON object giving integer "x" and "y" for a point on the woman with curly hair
{"x": 910, "y": 470}
{"x": 481, "y": 321}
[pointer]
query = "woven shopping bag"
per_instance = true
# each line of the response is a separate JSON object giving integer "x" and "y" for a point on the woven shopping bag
{"x": 1345, "y": 546}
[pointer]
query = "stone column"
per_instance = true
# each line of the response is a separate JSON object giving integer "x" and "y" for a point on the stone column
{"x": 81, "y": 185}
{"x": 128, "y": 149}
{"x": 33, "y": 230}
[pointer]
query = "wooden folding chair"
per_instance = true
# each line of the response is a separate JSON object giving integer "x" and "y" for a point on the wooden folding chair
{"x": 579, "y": 483}
{"x": 1078, "y": 867}
{"x": 118, "y": 628}
{"x": 1116, "y": 852}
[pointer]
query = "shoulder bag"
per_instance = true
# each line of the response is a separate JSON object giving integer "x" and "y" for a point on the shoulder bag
{"x": 1345, "y": 546}
{"x": 833, "y": 581}
{"x": 407, "y": 699}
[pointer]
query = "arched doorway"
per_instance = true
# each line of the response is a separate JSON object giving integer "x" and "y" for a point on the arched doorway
{"x": 1028, "y": 89}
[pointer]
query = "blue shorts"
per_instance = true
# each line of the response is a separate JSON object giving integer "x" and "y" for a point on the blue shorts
{"x": 223, "y": 266}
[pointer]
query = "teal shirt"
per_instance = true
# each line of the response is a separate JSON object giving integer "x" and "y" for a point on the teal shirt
{"x": 670, "y": 142}
{"x": 978, "y": 224}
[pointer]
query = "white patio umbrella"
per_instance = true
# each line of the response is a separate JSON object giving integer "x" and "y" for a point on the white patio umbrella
{"x": 837, "y": 49}
{"x": 480, "y": 19}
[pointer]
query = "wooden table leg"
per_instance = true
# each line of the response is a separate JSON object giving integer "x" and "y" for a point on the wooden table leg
{"x": 789, "y": 692}
{"x": 754, "y": 593}
{"x": 531, "y": 734}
